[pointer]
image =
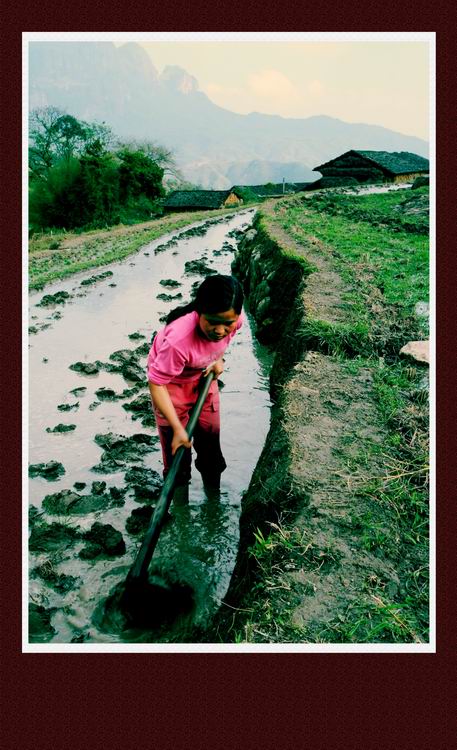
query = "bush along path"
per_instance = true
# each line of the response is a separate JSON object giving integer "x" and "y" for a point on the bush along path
{"x": 334, "y": 526}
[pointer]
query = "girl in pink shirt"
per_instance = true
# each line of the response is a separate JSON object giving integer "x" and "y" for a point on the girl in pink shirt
{"x": 191, "y": 344}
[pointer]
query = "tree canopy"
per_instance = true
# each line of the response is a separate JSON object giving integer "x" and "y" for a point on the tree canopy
{"x": 81, "y": 175}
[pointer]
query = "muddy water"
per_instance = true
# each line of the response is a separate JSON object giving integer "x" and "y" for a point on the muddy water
{"x": 197, "y": 548}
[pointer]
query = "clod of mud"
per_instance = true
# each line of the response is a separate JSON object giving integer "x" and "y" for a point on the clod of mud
{"x": 79, "y": 391}
{"x": 34, "y": 514}
{"x": 112, "y": 284}
{"x": 226, "y": 248}
{"x": 68, "y": 502}
{"x": 79, "y": 485}
{"x": 51, "y": 470}
{"x": 143, "y": 349}
{"x": 86, "y": 368}
{"x": 49, "y": 537}
{"x": 120, "y": 450}
{"x": 146, "y": 483}
{"x": 141, "y": 409}
{"x": 58, "y": 581}
{"x": 106, "y": 394}
{"x": 170, "y": 282}
{"x": 103, "y": 539}
{"x": 94, "y": 405}
{"x": 138, "y": 520}
{"x": 33, "y": 329}
{"x": 135, "y": 336}
{"x": 40, "y": 628}
{"x": 127, "y": 364}
{"x": 61, "y": 428}
{"x": 68, "y": 407}
{"x": 98, "y": 488}
{"x": 164, "y": 246}
{"x": 95, "y": 278}
{"x": 198, "y": 267}
{"x": 169, "y": 297}
{"x": 59, "y": 298}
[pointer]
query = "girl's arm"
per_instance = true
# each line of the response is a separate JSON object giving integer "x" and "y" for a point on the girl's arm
{"x": 163, "y": 403}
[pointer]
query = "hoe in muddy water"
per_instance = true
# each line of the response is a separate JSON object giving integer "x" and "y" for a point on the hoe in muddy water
{"x": 143, "y": 600}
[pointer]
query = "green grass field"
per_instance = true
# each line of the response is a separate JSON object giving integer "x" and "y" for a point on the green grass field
{"x": 382, "y": 253}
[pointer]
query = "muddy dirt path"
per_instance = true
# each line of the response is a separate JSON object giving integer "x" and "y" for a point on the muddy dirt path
{"x": 93, "y": 447}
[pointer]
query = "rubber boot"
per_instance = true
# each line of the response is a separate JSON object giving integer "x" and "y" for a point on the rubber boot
{"x": 212, "y": 485}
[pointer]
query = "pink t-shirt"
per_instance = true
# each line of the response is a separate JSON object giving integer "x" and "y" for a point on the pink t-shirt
{"x": 179, "y": 353}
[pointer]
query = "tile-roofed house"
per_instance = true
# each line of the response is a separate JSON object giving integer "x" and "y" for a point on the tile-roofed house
{"x": 372, "y": 166}
{"x": 274, "y": 190}
{"x": 193, "y": 200}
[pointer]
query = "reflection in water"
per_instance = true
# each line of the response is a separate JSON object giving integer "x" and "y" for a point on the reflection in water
{"x": 197, "y": 549}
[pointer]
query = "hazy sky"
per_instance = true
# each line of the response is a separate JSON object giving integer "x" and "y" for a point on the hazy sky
{"x": 376, "y": 82}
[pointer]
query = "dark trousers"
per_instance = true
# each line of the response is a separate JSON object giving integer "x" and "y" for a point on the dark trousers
{"x": 206, "y": 439}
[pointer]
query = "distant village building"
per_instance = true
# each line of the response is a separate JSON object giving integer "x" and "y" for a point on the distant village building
{"x": 195, "y": 200}
{"x": 356, "y": 167}
{"x": 274, "y": 190}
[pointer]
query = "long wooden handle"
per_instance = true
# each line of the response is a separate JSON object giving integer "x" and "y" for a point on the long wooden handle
{"x": 140, "y": 566}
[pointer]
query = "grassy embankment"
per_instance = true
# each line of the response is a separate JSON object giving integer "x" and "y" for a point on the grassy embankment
{"x": 379, "y": 246}
{"x": 60, "y": 254}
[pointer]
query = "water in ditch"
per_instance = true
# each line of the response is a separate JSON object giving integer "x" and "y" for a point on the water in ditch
{"x": 95, "y": 452}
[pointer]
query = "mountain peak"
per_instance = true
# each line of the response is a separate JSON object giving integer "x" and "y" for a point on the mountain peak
{"x": 179, "y": 79}
{"x": 137, "y": 59}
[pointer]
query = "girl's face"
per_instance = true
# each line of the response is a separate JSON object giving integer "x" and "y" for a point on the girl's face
{"x": 216, "y": 326}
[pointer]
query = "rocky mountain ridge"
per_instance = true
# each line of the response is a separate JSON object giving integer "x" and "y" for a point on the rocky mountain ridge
{"x": 97, "y": 81}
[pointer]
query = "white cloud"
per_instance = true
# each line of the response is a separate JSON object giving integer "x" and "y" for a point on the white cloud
{"x": 272, "y": 84}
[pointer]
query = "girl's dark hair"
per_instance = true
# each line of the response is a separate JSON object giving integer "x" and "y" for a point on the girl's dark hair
{"x": 214, "y": 295}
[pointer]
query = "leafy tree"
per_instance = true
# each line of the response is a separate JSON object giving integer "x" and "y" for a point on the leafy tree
{"x": 54, "y": 135}
{"x": 158, "y": 154}
{"x": 53, "y": 201}
{"x": 42, "y": 134}
{"x": 79, "y": 178}
{"x": 98, "y": 185}
{"x": 139, "y": 175}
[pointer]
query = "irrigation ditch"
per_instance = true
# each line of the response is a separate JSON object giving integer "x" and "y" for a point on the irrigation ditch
{"x": 326, "y": 551}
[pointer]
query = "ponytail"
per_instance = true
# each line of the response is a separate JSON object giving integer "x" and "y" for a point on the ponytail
{"x": 178, "y": 312}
